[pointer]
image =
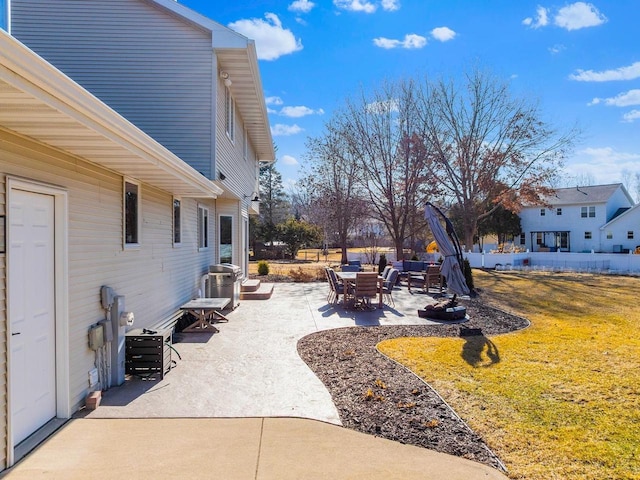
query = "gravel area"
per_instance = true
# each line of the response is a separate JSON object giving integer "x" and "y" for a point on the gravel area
{"x": 375, "y": 395}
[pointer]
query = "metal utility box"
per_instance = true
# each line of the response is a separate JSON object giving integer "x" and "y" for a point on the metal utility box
{"x": 148, "y": 353}
{"x": 224, "y": 281}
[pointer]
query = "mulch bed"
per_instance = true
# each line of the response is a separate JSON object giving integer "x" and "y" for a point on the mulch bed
{"x": 377, "y": 396}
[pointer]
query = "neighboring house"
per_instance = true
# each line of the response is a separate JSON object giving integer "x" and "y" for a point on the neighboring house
{"x": 90, "y": 198}
{"x": 596, "y": 218}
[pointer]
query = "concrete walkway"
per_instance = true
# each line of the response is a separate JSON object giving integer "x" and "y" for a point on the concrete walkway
{"x": 242, "y": 404}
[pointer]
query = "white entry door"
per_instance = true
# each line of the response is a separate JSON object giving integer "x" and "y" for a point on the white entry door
{"x": 32, "y": 381}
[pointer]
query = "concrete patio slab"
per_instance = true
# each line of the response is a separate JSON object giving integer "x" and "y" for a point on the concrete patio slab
{"x": 251, "y": 368}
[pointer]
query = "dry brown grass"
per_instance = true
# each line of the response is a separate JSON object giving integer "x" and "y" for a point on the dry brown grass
{"x": 560, "y": 399}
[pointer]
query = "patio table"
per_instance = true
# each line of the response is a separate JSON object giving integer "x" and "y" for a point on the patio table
{"x": 350, "y": 278}
{"x": 207, "y": 310}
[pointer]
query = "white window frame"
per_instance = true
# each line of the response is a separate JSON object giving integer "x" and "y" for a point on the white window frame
{"x": 203, "y": 227}
{"x": 558, "y": 211}
{"x": 245, "y": 144}
{"x": 588, "y": 212}
{"x": 630, "y": 235}
{"x": 131, "y": 245}
{"x": 543, "y": 212}
{"x": 230, "y": 114}
{"x": 609, "y": 235}
{"x": 173, "y": 220}
{"x": 226, "y": 215}
{"x": 588, "y": 236}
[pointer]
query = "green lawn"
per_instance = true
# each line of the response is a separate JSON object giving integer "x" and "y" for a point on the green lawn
{"x": 560, "y": 399}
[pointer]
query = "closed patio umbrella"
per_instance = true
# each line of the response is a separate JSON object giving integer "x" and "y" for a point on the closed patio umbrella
{"x": 449, "y": 246}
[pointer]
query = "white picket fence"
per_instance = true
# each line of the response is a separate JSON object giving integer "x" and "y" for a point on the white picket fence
{"x": 558, "y": 261}
{"x": 615, "y": 263}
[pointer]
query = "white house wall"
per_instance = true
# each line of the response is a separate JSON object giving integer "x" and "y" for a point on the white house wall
{"x": 620, "y": 229}
{"x": 241, "y": 172}
{"x": 571, "y": 220}
{"x": 155, "y": 278}
{"x": 152, "y": 67}
{"x": 618, "y": 200}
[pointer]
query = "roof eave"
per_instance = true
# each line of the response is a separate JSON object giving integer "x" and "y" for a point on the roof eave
{"x": 85, "y": 125}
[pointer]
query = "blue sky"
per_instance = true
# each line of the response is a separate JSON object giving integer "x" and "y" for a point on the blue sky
{"x": 579, "y": 60}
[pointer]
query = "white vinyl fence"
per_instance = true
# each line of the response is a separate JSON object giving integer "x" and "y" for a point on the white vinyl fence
{"x": 558, "y": 261}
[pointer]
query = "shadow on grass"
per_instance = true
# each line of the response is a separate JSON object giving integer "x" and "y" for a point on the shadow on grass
{"x": 478, "y": 350}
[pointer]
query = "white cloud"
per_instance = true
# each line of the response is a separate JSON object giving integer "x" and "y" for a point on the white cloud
{"x": 272, "y": 40}
{"x": 390, "y": 5}
{"x": 541, "y": 19}
{"x": 627, "y": 99}
{"x": 355, "y": 5}
{"x": 579, "y": 15}
{"x": 300, "y": 111}
{"x": 288, "y": 160}
{"x": 273, "y": 100}
{"x": 444, "y": 34}
{"x": 557, "y": 48}
{"x": 410, "y": 41}
{"x": 302, "y": 6}
{"x": 605, "y": 164}
{"x": 280, "y": 130}
{"x": 631, "y": 116}
{"x": 630, "y": 72}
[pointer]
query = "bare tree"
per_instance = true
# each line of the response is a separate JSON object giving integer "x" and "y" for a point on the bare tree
{"x": 382, "y": 130}
{"x": 330, "y": 188}
{"x": 484, "y": 148}
{"x": 274, "y": 204}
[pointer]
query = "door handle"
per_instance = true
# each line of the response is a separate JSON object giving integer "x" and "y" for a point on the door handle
{"x": 17, "y": 333}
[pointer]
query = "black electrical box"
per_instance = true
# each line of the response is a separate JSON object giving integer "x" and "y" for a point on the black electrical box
{"x": 148, "y": 353}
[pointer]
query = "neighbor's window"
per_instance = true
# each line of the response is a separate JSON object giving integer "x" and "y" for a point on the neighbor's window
{"x": 203, "y": 227}
{"x": 177, "y": 233}
{"x": 542, "y": 212}
{"x": 539, "y": 238}
{"x": 523, "y": 239}
{"x": 588, "y": 212}
{"x": 609, "y": 235}
{"x": 587, "y": 235}
{"x": 558, "y": 211}
{"x": 226, "y": 239}
{"x": 229, "y": 110}
{"x": 131, "y": 213}
{"x": 630, "y": 235}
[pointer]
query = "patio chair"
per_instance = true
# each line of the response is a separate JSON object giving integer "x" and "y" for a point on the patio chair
{"x": 335, "y": 287}
{"x": 350, "y": 268}
{"x": 366, "y": 288}
{"x": 385, "y": 272}
{"x": 389, "y": 284}
{"x": 433, "y": 278}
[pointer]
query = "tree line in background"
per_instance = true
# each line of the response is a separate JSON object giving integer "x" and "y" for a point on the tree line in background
{"x": 473, "y": 148}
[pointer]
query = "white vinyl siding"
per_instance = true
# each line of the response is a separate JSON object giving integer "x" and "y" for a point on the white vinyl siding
{"x": 241, "y": 177}
{"x": 147, "y": 64}
{"x": 155, "y": 278}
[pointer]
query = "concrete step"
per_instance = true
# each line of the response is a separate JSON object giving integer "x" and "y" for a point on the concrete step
{"x": 262, "y": 293}
{"x": 250, "y": 285}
